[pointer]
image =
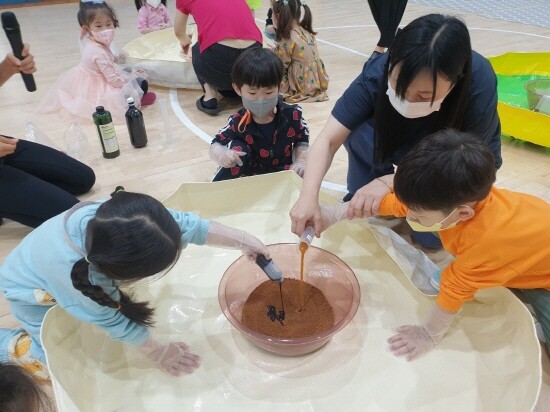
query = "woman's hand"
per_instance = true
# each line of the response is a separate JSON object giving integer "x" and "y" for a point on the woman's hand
{"x": 12, "y": 65}
{"x": 366, "y": 201}
{"x": 306, "y": 210}
{"x": 185, "y": 42}
{"x": 7, "y": 146}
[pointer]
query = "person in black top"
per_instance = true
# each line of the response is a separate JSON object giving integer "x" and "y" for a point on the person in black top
{"x": 387, "y": 14}
{"x": 36, "y": 182}
{"x": 267, "y": 135}
{"x": 429, "y": 80}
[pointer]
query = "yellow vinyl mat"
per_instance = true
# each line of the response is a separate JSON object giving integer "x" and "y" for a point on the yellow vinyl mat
{"x": 488, "y": 361}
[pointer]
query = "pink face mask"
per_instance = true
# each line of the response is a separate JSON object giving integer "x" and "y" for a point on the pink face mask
{"x": 104, "y": 36}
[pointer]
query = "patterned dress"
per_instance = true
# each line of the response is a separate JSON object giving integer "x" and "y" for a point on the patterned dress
{"x": 305, "y": 78}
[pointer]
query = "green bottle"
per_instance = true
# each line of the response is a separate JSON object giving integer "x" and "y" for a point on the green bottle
{"x": 106, "y": 131}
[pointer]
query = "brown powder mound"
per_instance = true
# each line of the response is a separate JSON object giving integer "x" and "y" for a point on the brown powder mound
{"x": 316, "y": 316}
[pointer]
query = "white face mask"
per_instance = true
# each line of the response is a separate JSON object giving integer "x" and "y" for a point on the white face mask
{"x": 153, "y": 3}
{"x": 413, "y": 110}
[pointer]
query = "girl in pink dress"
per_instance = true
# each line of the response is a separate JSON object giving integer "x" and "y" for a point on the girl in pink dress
{"x": 97, "y": 80}
{"x": 152, "y": 15}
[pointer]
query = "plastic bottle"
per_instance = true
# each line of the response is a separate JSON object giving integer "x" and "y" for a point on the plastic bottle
{"x": 308, "y": 235}
{"x": 106, "y": 131}
{"x": 76, "y": 141}
{"x": 166, "y": 120}
{"x": 35, "y": 135}
{"x": 270, "y": 268}
{"x": 136, "y": 126}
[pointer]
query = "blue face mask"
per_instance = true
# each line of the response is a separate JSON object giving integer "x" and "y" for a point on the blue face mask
{"x": 260, "y": 107}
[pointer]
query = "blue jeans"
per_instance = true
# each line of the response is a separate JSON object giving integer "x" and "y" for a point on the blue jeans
{"x": 361, "y": 168}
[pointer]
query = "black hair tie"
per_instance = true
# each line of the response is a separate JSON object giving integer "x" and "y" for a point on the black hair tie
{"x": 117, "y": 189}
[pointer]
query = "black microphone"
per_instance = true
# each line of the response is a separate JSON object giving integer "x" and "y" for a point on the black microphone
{"x": 11, "y": 27}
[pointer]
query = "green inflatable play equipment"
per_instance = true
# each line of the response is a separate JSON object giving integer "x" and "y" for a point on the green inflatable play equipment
{"x": 524, "y": 95}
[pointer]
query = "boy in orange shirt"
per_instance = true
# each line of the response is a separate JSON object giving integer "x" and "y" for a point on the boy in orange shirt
{"x": 498, "y": 237}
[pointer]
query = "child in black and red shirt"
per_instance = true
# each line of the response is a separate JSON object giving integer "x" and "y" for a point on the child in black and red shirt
{"x": 267, "y": 135}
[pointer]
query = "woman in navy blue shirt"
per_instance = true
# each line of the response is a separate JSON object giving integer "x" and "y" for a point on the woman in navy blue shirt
{"x": 429, "y": 80}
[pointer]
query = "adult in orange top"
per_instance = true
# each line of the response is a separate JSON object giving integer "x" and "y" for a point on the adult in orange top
{"x": 498, "y": 237}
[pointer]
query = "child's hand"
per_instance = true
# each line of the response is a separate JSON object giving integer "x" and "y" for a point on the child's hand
{"x": 228, "y": 237}
{"x": 252, "y": 247}
{"x": 411, "y": 341}
{"x": 173, "y": 358}
{"x": 366, "y": 201}
{"x": 299, "y": 166}
{"x": 121, "y": 57}
{"x": 333, "y": 214}
{"x": 224, "y": 156}
{"x": 300, "y": 157}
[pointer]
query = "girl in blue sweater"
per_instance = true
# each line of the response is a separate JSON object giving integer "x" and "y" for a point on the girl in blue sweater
{"x": 80, "y": 258}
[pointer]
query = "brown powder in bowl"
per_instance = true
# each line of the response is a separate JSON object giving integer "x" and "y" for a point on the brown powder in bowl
{"x": 316, "y": 316}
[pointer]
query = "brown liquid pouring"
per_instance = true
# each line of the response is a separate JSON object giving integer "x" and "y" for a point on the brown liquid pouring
{"x": 303, "y": 249}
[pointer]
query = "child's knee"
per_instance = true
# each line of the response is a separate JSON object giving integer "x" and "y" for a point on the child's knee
{"x": 29, "y": 354}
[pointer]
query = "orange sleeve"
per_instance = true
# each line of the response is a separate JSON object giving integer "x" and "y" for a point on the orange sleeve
{"x": 460, "y": 282}
{"x": 391, "y": 206}
{"x": 454, "y": 289}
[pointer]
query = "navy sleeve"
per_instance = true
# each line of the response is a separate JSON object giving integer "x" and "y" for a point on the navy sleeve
{"x": 302, "y": 137}
{"x": 482, "y": 116}
{"x": 357, "y": 103}
{"x": 229, "y": 131}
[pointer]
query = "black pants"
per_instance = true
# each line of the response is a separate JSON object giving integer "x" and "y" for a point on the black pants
{"x": 387, "y": 15}
{"x": 214, "y": 65}
{"x": 38, "y": 182}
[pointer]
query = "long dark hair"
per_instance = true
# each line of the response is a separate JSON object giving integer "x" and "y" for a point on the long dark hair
{"x": 19, "y": 391}
{"x": 287, "y": 13}
{"x": 87, "y": 11}
{"x": 141, "y": 3}
{"x": 435, "y": 43}
{"x": 131, "y": 237}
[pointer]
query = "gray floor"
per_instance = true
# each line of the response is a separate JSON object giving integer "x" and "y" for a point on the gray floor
{"x": 533, "y": 12}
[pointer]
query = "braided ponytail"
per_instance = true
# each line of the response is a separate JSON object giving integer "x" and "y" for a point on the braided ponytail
{"x": 138, "y": 312}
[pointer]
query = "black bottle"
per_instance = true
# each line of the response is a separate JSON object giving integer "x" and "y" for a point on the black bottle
{"x": 136, "y": 126}
{"x": 106, "y": 131}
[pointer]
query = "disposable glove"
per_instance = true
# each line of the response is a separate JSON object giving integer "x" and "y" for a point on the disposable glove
{"x": 299, "y": 164}
{"x": 332, "y": 214}
{"x": 173, "y": 358}
{"x": 224, "y": 156}
{"x": 413, "y": 341}
{"x": 231, "y": 238}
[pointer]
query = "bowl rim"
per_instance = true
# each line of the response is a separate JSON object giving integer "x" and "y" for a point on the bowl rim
{"x": 356, "y": 301}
